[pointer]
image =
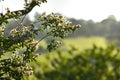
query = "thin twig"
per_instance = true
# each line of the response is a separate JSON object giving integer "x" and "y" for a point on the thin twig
{"x": 23, "y": 18}
{"x": 41, "y": 40}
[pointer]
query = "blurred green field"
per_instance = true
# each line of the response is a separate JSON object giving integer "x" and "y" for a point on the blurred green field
{"x": 82, "y": 43}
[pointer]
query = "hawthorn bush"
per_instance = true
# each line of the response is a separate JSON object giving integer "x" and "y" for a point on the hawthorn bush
{"x": 16, "y": 66}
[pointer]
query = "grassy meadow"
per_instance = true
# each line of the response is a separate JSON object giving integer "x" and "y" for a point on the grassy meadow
{"x": 82, "y": 43}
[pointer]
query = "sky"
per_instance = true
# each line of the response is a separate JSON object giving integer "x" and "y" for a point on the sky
{"x": 96, "y": 10}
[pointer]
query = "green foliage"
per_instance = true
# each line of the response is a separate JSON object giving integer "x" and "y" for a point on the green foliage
{"x": 16, "y": 66}
{"x": 96, "y": 63}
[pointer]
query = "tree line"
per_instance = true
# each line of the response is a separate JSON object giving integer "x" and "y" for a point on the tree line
{"x": 108, "y": 28}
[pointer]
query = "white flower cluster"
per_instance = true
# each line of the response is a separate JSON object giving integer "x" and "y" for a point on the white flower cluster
{"x": 21, "y": 30}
